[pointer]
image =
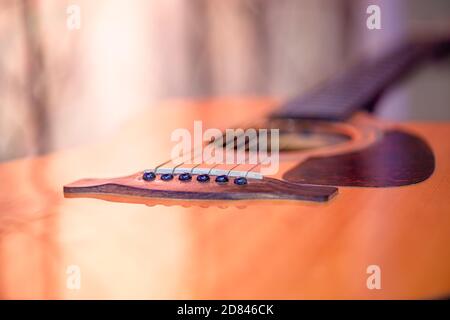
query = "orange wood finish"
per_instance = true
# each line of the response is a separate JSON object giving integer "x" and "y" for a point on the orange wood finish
{"x": 265, "y": 250}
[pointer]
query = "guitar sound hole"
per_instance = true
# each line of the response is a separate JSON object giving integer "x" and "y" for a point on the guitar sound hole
{"x": 301, "y": 141}
{"x": 295, "y": 135}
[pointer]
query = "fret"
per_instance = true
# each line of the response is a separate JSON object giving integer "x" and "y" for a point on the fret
{"x": 358, "y": 88}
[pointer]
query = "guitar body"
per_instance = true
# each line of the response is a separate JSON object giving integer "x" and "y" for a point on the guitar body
{"x": 393, "y": 214}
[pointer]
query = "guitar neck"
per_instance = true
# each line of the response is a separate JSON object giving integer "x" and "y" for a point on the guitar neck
{"x": 359, "y": 87}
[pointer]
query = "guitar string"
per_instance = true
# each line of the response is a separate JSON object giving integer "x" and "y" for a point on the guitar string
{"x": 170, "y": 160}
{"x": 246, "y": 157}
{"x": 215, "y": 142}
{"x": 191, "y": 151}
{"x": 280, "y": 146}
{"x": 237, "y": 165}
{"x": 226, "y": 146}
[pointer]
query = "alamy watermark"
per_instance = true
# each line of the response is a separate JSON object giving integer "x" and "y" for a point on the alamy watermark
{"x": 73, "y": 21}
{"x": 73, "y": 280}
{"x": 373, "y": 21}
{"x": 374, "y": 280}
{"x": 232, "y": 146}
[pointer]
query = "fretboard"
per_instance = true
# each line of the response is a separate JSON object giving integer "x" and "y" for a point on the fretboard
{"x": 358, "y": 88}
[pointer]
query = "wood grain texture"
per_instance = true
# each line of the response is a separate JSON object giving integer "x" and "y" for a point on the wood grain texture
{"x": 262, "y": 189}
{"x": 265, "y": 250}
{"x": 398, "y": 159}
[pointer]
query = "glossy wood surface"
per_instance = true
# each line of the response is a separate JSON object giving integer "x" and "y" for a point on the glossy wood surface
{"x": 265, "y": 250}
{"x": 397, "y": 159}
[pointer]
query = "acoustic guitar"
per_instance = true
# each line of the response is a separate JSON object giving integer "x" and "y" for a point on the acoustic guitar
{"x": 353, "y": 194}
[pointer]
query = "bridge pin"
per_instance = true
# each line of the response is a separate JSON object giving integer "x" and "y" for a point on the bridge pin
{"x": 240, "y": 181}
{"x": 222, "y": 179}
{"x": 166, "y": 177}
{"x": 148, "y": 175}
{"x": 203, "y": 178}
{"x": 185, "y": 177}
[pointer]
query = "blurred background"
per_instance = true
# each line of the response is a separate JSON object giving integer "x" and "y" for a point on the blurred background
{"x": 62, "y": 87}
